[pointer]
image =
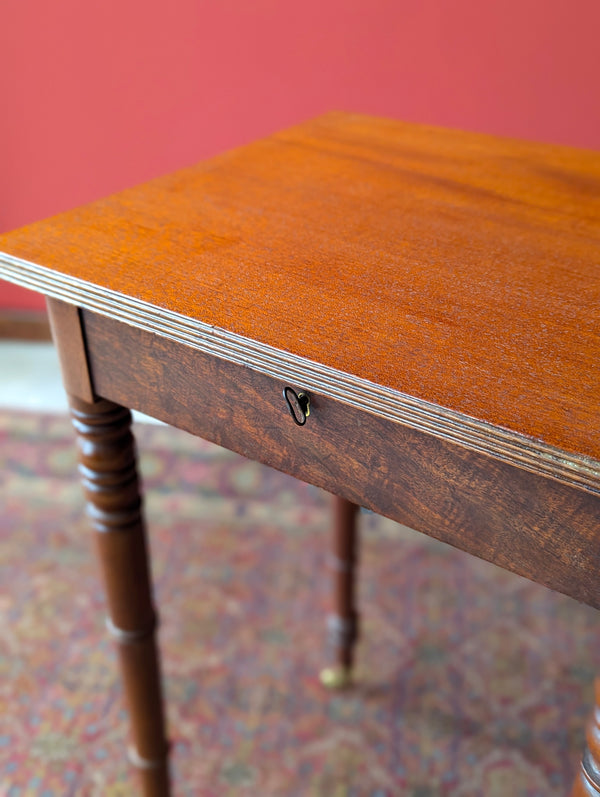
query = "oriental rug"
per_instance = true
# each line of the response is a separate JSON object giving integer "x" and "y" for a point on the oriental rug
{"x": 470, "y": 681}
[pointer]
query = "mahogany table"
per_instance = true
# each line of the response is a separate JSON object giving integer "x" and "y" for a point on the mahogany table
{"x": 434, "y": 295}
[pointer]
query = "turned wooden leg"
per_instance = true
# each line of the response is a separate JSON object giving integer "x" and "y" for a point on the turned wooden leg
{"x": 343, "y": 622}
{"x": 587, "y": 782}
{"x": 107, "y": 464}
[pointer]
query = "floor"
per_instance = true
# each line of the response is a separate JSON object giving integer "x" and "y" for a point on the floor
{"x": 31, "y": 379}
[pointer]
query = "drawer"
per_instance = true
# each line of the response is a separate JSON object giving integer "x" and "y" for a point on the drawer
{"x": 487, "y": 507}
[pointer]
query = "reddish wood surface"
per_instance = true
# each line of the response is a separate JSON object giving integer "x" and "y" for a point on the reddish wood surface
{"x": 456, "y": 268}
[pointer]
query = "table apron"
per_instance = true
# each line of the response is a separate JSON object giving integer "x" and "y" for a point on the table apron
{"x": 527, "y": 523}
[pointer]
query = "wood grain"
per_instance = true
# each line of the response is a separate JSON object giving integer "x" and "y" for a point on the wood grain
{"x": 526, "y": 523}
{"x": 453, "y": 268}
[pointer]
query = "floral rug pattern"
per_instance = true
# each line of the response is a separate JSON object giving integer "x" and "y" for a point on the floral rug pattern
{"x": 470, "y": 681}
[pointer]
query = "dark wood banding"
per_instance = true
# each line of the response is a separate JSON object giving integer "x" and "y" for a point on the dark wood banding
{"x": 522, "y": 521}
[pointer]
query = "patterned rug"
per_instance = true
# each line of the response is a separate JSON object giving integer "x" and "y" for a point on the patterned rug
{"x": 470, "y": 681}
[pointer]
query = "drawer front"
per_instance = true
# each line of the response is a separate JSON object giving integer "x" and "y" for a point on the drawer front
{"x": 521, "y": 521}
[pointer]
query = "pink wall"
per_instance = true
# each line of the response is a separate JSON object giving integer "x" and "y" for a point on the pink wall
{"x": 99, "y": 96}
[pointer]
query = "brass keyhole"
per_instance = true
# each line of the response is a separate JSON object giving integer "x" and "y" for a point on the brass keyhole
{"x": 298, "y": 405}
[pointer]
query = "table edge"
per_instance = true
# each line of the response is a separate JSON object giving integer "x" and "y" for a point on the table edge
{"x": 470, "y": 433}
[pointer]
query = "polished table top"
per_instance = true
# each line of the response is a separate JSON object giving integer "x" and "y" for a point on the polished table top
{"x": 445, "y": 281}
{"x": 457, "y": 270}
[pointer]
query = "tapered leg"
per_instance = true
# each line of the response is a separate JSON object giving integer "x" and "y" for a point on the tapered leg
{"x": 587, "y": 782}
{"x": 107, "y": 465}
{"x": 343, "y": 622}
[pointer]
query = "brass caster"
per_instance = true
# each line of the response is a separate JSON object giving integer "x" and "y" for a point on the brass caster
{"x": 335, "y": 677}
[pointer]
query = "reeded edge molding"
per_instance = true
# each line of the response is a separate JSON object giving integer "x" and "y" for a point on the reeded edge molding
{"x": 475, "y": 435}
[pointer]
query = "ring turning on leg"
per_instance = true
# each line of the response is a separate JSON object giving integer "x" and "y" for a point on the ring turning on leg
{"x": 587, "y": 781}
{"x": 107, "y": 465}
